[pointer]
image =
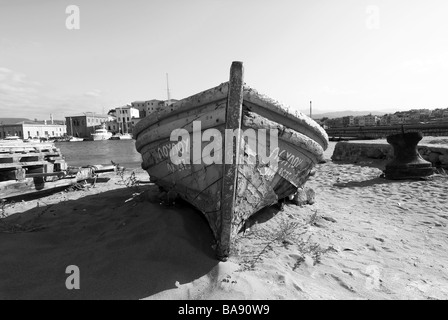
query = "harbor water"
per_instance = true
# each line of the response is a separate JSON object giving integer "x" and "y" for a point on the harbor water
{"x": 86, "y": 153}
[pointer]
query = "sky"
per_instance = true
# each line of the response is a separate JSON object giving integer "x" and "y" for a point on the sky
{"x": 341, "y": 54}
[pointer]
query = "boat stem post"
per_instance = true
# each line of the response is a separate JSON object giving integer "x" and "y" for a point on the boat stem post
{"x": 230, "y": 170}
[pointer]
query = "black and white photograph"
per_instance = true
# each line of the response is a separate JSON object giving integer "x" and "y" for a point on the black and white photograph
{"x": 241, "y": 152}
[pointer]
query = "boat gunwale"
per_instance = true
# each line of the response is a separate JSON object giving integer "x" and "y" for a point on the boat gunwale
{"x": 299, "y": 140}
{"x": 301, "y": 122}
{"x": 250, "y": 96}
{"x": 311, "y": 149}
{"x": 308, "y": 147}
{"x": 182, "y": 106}
{"x": 141, "y": 140}
{"x": 314, "y": 147}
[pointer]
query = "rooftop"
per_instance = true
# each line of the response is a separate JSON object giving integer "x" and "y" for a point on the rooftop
{"x": 6, "y": 121}
{"x": 19, "y": 121}
{"x": 42, "y": 122}
{"x": 88, "y": 114}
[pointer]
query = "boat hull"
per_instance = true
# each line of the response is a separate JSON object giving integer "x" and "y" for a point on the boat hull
{"x": 229, "y": 192}
{"x": 121, "y": 137}
{"x": 101, "y": 137}
{"x": 75, "y": 139}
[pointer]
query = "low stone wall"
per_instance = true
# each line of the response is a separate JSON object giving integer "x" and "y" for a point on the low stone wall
{"x": 357, "y": 151}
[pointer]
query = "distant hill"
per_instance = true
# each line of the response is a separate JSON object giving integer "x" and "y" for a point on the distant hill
{"x": 12, "y": 120}
{"x": 340, "y": 114}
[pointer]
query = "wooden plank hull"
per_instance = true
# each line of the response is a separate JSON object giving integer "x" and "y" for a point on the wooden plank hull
{"x": 229, "y": 192}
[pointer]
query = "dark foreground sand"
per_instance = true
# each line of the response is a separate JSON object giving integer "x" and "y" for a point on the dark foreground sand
{"x": 364, "y": 238}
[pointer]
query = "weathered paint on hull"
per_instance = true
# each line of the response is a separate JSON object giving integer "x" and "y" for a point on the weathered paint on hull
{"x": 226, "y": 197}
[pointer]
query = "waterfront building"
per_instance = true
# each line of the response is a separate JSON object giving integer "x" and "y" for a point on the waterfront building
{"x": 141, "y": 107}
{"x": 385, "y": 120}
{"x": 370, "y": 120}
{"x": 84, "y": 125}
{"x": 359, "y": 121}
{"x": 34, "y": 129}
{"x": 147, "y": 107}
{"x": 396, "y": 119}
{"x": 437, "y": 113}
{"x": 129, "y": 119}
{"x": 348, "y": 121}
{"x": 124, "y": 118}
{"x": 135, "y": 121}
{"x": 113, "y": 126}
{"x": 150, "y": 106}
{"x": 414, "y": 117}
{"x": 335, "y": 123}
{"x": 425, "y": 114}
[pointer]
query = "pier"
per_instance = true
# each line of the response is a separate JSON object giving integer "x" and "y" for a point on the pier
{"x": 380, "y": 132}
{"x": 33, "y": 167}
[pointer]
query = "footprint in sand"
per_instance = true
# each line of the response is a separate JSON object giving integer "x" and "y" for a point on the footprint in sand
{"x": 371, "y": 247}
{"x": 227, "y": 283}
{"x": 343, "y": 284}
{"x": 379, "y": 239}
{"x": 348, "y": 272}
{"x": 297, "y": 287}
{"x": 388, "y": 249}
{"x": 281, "y": 279}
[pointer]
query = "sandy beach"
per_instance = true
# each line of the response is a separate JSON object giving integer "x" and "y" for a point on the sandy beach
{"x": 363, "y": 238}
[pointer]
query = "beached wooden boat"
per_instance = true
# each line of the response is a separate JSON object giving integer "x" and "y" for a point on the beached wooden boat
{"x": 229, "y": 193}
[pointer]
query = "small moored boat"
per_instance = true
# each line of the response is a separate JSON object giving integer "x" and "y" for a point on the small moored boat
{"x": 101, "y": 133}
{"x": 121, "y": 136}
{"x": 12, "y": 138}
{"x": 189, "y": 148}
{"x": 32, "y": 140}
{"x": 75, "y": 139}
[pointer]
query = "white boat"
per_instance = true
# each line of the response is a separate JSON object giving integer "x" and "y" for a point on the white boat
{"x": 75, "y": 139}
{"x": 101, "y": 134}
{"x": 12, "y": 138}
{"x": 121, "y": 136}
{"x": 32, "y": 140}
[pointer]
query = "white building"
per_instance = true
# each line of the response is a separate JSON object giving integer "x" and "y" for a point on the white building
{"x": 34, "y": 129}
{"x": 124, "y": 118}
{"x": 148, "y": 107}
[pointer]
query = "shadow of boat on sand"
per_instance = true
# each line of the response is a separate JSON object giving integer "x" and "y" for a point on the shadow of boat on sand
{"x": 124, "y": 250}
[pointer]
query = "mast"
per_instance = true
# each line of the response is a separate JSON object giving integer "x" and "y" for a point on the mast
{"x": 168, "y": 90}
{"x": 311, "y": 109}
{"x": 125, "y": 126}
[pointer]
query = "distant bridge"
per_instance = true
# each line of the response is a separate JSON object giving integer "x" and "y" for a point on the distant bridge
{"x": 377, "y": 132}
